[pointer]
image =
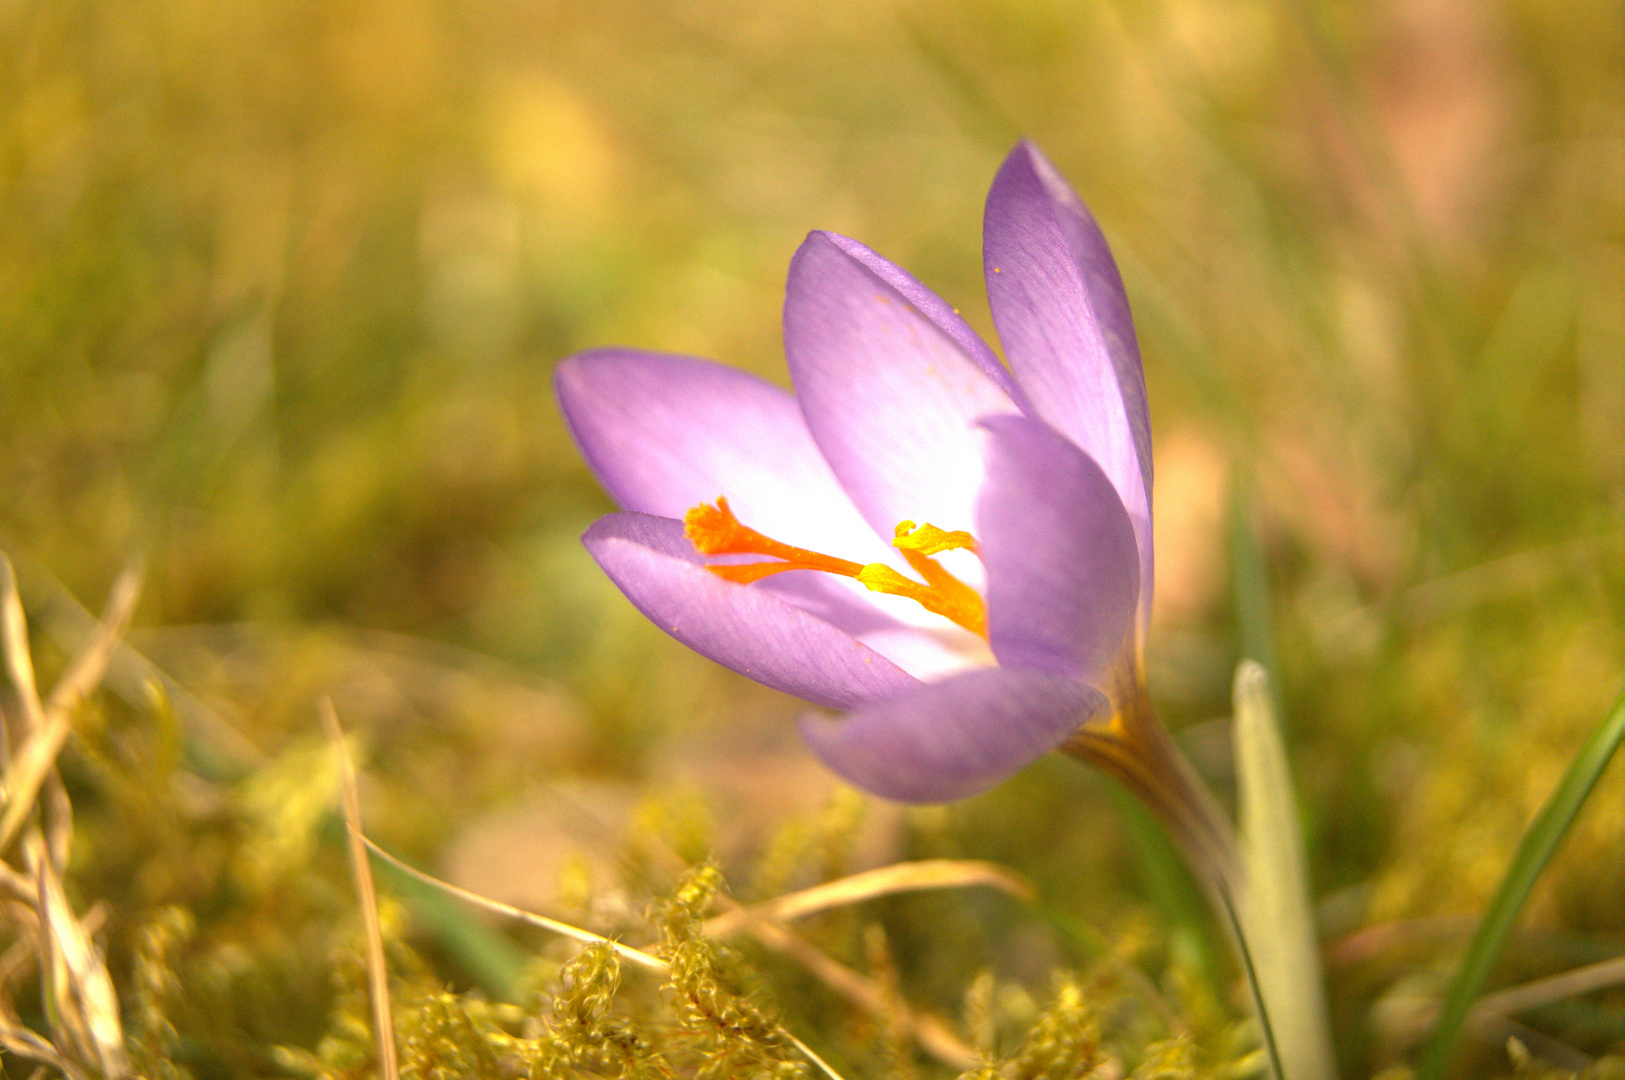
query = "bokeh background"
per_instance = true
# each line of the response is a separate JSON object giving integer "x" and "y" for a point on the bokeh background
{"x": 282, "y": 285}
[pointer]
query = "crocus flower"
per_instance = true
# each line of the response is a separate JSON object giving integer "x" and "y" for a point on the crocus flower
{"x": 953, "y": 554}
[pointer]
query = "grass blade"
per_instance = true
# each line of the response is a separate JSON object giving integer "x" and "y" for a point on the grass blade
{"x": 383, "y": 1022}
{"x": 1276, "y": 915}
{"x": 1533, "y": 853}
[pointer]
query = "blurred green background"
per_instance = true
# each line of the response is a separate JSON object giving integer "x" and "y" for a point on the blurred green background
{"x": 281, "y": 288}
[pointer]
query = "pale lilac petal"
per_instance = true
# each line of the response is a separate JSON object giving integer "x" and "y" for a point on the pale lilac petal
{"x": 935, "y": 308}
{"x": 1064, "y": 322}
{"x": 1062, "y": 567}
{"x": 742, "y": 627}
{"x": 930, "y": 653}
{"x": 949, "y": 739}
{"x": 922, "y": 644}
{"x": 665, "y": 433}
{"x": 890, "y": 398}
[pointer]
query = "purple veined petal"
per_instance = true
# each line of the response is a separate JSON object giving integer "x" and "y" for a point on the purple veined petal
{"x": 664, "y": 433}
{"x": 1063, "y": 319}
{"x": 890, "y": 398}
{"x": 950, "y": 739}
{"x": 935, "y": 308}
{"x": 1062, "y": 566}
{"x": 750, "y": 630}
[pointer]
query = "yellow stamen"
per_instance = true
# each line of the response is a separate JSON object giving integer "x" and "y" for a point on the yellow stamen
{"x": 714, "y": 530}
{"x": 930, "y": 540}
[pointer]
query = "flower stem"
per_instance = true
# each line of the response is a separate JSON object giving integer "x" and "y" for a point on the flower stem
{"x": 1137, "y": 750}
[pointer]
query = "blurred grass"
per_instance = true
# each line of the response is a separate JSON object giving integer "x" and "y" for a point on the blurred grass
{"x": 281, "y": 285}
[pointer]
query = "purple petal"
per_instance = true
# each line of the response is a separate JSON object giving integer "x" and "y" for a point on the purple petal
{"x": 1063, "y": 318}
{"x": 1062, "y": 566}
{"x": 741, "y": 627}
{"x": 664, "y": 433}
{"x": 924, "y": 645}
{"x": 949, "y": 739}
{"x": 889, "y": 396}
{"x": 935, "y": 308}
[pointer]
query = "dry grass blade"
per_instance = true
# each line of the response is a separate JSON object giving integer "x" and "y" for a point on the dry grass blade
{"x": 14, "y": 637}
{"x": 823, "y": 1066}
{"x": 633, "y": 956}
{"x": 17, "y": 886}
{"x": 80, "y": 988}
{"x": 932, "y": 1034}
{"x": 383, "y": 1023}
{"x": 78, "y": 991}
{"x": 86, "y": 671}
{"x": 637, "y": 957}
{"x": 899, "y": 877}
{"x": 1532, "y": 995}
{"x": 130, "y": 675}
{"x": 48, "y": 729}
{"x": 20, "y": 1042}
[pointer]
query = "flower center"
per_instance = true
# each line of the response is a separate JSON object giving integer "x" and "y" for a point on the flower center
{"x": 713, "y": 530}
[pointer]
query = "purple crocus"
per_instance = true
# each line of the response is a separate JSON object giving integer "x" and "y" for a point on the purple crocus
{"x": 776, "y": 533}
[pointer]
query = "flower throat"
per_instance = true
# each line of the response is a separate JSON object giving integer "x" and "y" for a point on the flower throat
{"x": 713, "y": 530}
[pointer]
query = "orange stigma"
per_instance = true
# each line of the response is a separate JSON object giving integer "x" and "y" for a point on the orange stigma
{"x": 713, "y": 530}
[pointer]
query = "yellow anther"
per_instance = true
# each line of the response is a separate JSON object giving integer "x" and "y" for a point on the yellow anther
{"x": 929, "y": 540}
{"x": 714, "y": 530}
{"x": 946, "y": 595}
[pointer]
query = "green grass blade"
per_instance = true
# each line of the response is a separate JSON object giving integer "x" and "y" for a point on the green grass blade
{"x": 1275, "y": 912}
{"x": 1256, "y": 623}
{"x": 1533, "y": 853}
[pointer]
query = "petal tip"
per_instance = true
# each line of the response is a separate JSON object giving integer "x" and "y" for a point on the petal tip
{"x": 1027, "y": 168}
